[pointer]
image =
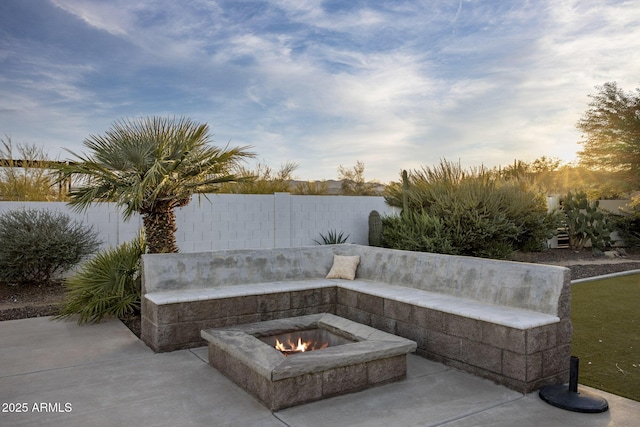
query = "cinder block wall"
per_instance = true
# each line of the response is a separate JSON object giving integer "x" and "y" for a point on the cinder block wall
{"x": 106, "y": 219}
{"x": 238, "y": 221}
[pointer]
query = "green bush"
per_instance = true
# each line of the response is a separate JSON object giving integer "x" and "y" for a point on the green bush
{"x": 586, "y": 222}
{"x": 480, "y": 213}
{"x": 416, "y": 231}
{"x": 106, "y": 285}
{"x": 37, "y": 246}
{"x": 628, "y": 226}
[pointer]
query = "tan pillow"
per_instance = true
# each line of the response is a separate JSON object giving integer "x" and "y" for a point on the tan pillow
{"x": 344, "y": 267}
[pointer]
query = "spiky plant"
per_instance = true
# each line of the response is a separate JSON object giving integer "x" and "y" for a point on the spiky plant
{"x": 106, "y": 285}
{"x": 151, "y": 166}
{"x": 375, "y": 229}
{"x": 332, "y": 238}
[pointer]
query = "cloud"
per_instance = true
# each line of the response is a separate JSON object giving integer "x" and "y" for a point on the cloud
{"x": 396, "y": 84}
{"x": 112, "y": 17}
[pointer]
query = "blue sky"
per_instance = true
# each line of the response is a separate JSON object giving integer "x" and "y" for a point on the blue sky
{"x": 395, "y": 84}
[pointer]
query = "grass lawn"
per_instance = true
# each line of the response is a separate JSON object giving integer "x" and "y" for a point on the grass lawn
{"x": 606, "y": 334}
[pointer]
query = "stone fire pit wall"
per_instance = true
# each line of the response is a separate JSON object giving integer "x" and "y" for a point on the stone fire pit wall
{"x": 506, "y": 321}
{"x": 369, "y": 358}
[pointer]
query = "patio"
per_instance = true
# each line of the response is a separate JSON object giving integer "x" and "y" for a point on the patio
{"x": 69, "y": 375}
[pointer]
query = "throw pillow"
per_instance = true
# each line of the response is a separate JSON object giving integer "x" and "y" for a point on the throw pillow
{"x": 344, "y": 267}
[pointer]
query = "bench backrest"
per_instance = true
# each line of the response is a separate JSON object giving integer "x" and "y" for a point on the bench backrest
{"x": 163, "y": 272}
{"x": 528, "y": 286}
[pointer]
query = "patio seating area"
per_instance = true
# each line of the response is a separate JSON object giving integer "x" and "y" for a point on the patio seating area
{"x": 504, "y": 321}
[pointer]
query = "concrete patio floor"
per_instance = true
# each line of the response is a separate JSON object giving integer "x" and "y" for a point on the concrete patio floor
{"x": 62, "y": 374}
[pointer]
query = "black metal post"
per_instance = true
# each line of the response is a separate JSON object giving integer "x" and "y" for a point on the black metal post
{"x": 574, "y": 364}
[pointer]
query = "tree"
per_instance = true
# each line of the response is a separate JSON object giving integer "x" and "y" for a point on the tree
{"x": 151, "y": 166}
{"x": 611, "y": 128}
{"x": 353, "y": 182}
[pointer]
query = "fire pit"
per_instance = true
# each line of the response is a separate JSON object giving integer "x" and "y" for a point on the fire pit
{"x": 350, "y": 357}
{"x": 304, "y": 341}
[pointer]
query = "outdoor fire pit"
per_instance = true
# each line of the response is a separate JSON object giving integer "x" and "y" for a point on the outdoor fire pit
{"x": 320, "y": 356}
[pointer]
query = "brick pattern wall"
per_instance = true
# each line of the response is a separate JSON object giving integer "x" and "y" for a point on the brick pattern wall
{"x": 170, "y": 327}
{"x": 523, "y": 360}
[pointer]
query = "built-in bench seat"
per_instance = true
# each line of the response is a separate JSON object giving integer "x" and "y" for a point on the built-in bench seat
{"x": 500, "y": 315}
{"x": 505, "y": 321}
{"x": 506, "y": 316}
{"x": 192, "y": 295}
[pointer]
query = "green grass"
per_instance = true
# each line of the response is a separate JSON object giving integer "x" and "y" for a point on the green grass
{"x": 606, "y": 334}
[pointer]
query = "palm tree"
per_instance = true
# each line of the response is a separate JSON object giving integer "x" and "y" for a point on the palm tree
{"x": 151, "y": 166}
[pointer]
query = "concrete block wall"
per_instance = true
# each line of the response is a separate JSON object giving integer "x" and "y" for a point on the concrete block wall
{"x": 521, "y": 359}
{"x": 340, "y": 213}
{"x": 237, "y": 221}
{"x": 105, "y": 218}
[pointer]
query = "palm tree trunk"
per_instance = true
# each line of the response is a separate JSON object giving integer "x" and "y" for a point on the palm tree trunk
{"x": 160, "y": 229}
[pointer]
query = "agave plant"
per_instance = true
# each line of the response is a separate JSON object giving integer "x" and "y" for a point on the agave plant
{"x": 332, "y": 238}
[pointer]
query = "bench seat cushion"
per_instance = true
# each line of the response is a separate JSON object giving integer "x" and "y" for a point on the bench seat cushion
{"x": 507, "y": 316}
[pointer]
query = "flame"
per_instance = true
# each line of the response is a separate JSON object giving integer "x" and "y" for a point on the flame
{"x": 300, "y": 347}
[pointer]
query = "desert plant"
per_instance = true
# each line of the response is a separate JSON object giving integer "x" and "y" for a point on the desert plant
{"x": 586, "y": 222}
{"x": 37, "y": 246}
{"x": 416, "y": 231}
{"x": 151, "y": 166}
{"x": 25, "y": 174}
{"x": 106, "y": 285}
{"x": 332, "y": 238}
{"x": 353, "y": 182}
{"x": 262, "y": 180}
{"x": 405, "y": 191}
{"x": 375, "y": 229}
{"x": 312, "y": 188}
{"x": 628, "y": 226}
{"x": 480, "y": 212}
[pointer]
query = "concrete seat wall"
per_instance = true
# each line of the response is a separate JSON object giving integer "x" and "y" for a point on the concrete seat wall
{"x": 511, "y": 284}
{"x": 506, "y": 321}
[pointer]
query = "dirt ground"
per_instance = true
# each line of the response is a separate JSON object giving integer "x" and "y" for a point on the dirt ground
{"x": 35, "y": 301}
{"x": 20, "y": 302}
{"x": 584, "y": 263}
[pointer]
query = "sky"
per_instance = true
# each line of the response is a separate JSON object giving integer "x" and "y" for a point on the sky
{"x": 394, "y": 84}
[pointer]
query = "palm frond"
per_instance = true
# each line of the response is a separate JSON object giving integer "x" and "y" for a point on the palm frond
{"x": 138, "y": 163}
{"x": 106, "y": 285}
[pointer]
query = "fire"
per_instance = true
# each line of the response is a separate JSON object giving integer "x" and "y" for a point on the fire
{"x": 299, "y": 347}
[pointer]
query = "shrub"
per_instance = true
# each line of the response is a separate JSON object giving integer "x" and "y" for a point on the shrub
{"x": 26, "y": 175}
{"x": 36, "y": 246}
{"x": 416, "y": 231}
{"x": 480, "y": 213}
{"x": 628, "y": 225}
{"x": 106, "y": 285}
